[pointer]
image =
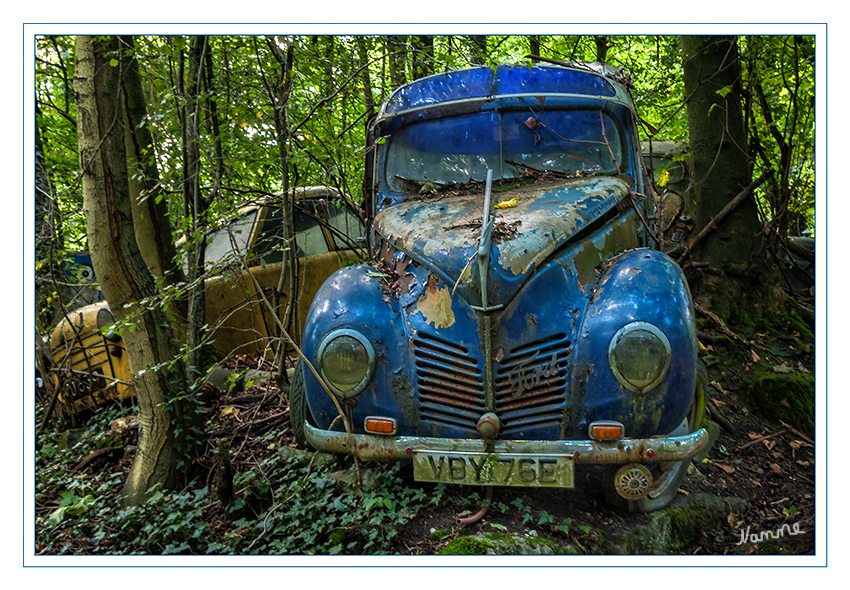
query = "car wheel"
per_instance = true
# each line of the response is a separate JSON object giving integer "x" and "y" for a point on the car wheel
{"x": 299, "y": 411}
{"x": 666, "y": 477}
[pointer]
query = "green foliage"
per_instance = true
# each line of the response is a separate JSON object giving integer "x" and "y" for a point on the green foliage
{"x": 283, "y": 506}
{"x": 326, "y": 110}
{"x": 71, "y": 505}
{"x": 780, "y": 83}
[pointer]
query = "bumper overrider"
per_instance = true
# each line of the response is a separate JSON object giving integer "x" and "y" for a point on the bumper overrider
{"x": 510, "y": 462}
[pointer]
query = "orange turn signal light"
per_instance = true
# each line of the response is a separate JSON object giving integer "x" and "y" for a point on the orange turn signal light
{"x": 606, "y": 430}
{"x": 380, "y": 425}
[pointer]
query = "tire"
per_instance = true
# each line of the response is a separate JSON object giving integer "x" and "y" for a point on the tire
{"x": 299, "y": 411}
{"x": 666, "y": 476}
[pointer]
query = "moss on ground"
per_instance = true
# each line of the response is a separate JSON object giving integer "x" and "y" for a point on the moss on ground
{"x": 466, "y": 546}
{"x": 501, "y": 544}
{"x": 786, "y": 397}
{"x": 768, "y": 311}
{"x": 668, "y": 531}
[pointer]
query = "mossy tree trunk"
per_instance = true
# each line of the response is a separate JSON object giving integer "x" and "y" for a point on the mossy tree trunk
{"x": 721, "y": 165}
{"x": 125, "y": 279}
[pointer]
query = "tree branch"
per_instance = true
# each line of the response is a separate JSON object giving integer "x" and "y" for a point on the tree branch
{"x": 731, "y": 206}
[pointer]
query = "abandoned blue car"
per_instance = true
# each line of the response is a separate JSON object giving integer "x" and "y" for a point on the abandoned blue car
{"x": 517, "y": 321}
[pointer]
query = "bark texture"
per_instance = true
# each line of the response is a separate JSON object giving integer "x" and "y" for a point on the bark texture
{"x": 150, "y": 221}
{"x": 125, "y": 279}
{"x": 720, "y": 160}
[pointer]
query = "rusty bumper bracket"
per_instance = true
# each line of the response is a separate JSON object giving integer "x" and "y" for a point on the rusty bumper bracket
{"x": 628, "y": 450}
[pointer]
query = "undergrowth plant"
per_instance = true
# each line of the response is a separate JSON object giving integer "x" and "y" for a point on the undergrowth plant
{"x": 287, "y": 503}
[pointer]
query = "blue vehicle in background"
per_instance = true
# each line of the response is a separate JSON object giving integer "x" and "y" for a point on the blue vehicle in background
{"x": 79, "y": 273}
{"x": 516, "y": 322}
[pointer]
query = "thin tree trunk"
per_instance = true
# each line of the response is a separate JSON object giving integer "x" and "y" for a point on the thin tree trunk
{"x": 534, "y": 44}
{"x": 365, "y": 80}
{"x": 198, "y": 206}
{"x": 601, "y": 48}
{"x": 279, "y": 94}
{"x": 423, "y": 55}
{"x": 395, "y": 55}
{"x": 150, "y": 213}
{"x": 479, "y": 50}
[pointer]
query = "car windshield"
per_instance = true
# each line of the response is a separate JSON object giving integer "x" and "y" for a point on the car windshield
{"x": 459, "y": 149}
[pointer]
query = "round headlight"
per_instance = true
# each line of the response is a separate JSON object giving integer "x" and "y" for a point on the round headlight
{"x": 347, "y": 360}
{"x": 639, "y": 356}
{"x": 106, "y": 320}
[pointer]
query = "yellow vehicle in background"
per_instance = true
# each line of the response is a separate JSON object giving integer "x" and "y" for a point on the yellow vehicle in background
{"x": 246, "y": 257}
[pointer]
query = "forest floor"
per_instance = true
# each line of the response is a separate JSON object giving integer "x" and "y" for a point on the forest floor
{"x": 762, "y": 468}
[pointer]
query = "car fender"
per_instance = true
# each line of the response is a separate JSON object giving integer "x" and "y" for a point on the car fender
{"x": 639, "y": 286}
{"x": 358, "y": 298}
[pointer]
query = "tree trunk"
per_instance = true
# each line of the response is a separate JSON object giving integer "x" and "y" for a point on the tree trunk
{"x": 721, "y": 168}
{"x": 479, "y": 50}
{"x": 422, "y": 52}
{"x": 395, "y": 56}
{"x": 534, "y": 44}
{"x": 197, "y": 206}
{"x": 601, "y": 48}
{"x": 718, "y": 141}
{"x": 280, "y": 102}
{"x": 365, "y": 80}
{"x": 124, "y": 277}
{"x": 150, "y": 213}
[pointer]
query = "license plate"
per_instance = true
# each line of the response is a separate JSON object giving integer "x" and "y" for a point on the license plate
{"x": 499, "y": 469}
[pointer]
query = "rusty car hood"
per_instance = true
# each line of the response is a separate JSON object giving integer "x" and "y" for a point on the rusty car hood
{"x": 532, "y": 222}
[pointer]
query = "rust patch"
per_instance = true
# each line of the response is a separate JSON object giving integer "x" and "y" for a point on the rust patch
{"x": 435, "y": 304}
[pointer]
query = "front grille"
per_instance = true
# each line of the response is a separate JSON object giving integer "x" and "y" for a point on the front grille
{"x": 530, "y": 382}
{"x": 450, "y": 382}
{"x": 89, "y": 359}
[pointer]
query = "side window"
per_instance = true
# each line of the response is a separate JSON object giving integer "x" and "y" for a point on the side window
{"x": 270, "y": 246}
{"x": 344, "y": 222}
{"x": 309, "y": 238}
{"x": 229, "y": 241}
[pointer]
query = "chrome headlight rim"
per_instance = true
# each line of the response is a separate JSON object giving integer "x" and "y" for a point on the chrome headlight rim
{"x": 370, "y": 369}
{"x": 667, "y": 360}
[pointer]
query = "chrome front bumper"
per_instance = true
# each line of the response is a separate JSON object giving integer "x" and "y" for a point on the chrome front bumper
{"x": 370, "y": 447}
